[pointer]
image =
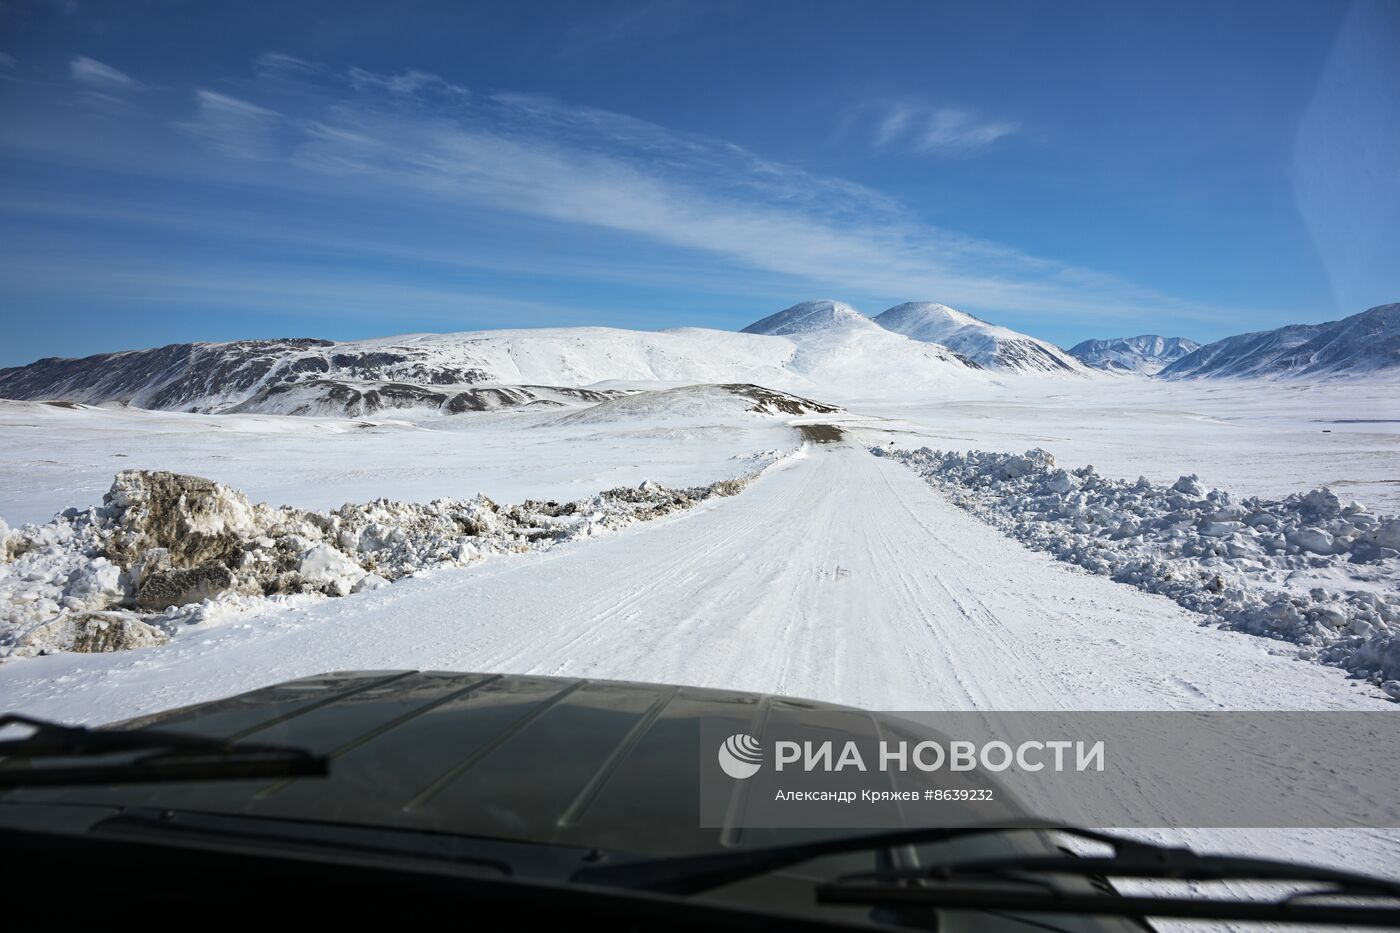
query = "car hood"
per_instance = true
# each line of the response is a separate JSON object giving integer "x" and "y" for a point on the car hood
{"x": 559, "y": 761}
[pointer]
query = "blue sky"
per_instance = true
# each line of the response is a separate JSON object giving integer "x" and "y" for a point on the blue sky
{"x": 173, "y": 171}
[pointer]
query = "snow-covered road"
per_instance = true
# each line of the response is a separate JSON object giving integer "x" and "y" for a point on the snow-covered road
{"x": 838, "y": 576}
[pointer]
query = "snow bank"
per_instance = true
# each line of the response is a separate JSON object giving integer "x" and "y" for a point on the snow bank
{"x": 1310, "y": 569}
{"x": 165, "y": 550}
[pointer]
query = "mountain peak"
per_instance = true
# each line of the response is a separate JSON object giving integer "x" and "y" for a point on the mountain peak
{"x": 931, "y": 313}
{"x": 1146, "y": 354}
{"x": 986, "y": 344}
{"x": 808, "y": 317}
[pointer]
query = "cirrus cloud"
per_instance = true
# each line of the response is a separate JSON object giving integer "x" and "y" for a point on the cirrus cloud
{"x": 535, "y": 155}
{"x": 934, "y": 130}
{"x": 411, "y": 144}
{"x": 95, "y": 74}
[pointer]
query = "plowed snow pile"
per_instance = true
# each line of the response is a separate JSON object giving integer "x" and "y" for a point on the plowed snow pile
{"x": 166, "y": 550}
{"x": 1310, "y": 569}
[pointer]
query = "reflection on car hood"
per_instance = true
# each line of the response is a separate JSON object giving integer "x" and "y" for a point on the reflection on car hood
{"x": 539, "y": 759}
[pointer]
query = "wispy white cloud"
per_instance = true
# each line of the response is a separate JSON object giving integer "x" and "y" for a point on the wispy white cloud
{"x": 94, "y": 74}
{"x": 413, "y": 138}
{"x": 949, "y": 129}
{"x": 576, "y": 165}
{"x": 233, "y": 126}
{"x": 280, "y": 62}
{"x": 275, "y": 64}
{"x": 411, "y": 83}
{"x": 934, "y": 130}
{"x": 8, "y": 61}
{"x": 721, "y": 165}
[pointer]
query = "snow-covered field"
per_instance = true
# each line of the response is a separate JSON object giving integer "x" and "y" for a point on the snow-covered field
{"x": 835, "y": 575}
{"x": 1251, "y": 438}
{"x": 1247, "y": 438}
{"x": 1254, "y": 438}
{"x": 54, "y": 457}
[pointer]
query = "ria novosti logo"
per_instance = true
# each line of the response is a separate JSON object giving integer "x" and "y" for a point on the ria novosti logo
{"x": 740, "y": 756}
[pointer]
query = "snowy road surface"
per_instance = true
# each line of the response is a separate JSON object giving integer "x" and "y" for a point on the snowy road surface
{"x": 837, "y": 576}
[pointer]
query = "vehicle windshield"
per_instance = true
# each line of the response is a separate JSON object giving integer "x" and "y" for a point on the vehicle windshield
{"x": 851, "y": 462}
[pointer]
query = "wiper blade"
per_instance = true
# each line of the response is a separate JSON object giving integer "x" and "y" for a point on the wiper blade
{"x": 170, "y": 756}
{"x": 1002, "y": 883}
{"x": 1019, "y": 883}
{"x": 1002, "y": 899}
{"x": 690, "y": 874}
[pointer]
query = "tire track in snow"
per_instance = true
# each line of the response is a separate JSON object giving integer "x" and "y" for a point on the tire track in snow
{"x": 671, "y": 570}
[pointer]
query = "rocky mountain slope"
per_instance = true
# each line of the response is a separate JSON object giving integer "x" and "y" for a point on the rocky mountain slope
{"x": 1146, "y": 354}
{"x": 334, "y": 398}
{"x": 415, "y": 371}
{"x": 1363, "y": 343}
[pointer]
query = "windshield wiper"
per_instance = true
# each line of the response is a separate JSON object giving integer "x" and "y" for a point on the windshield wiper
{"x": 1021, "y": 883}
{"x": 168, "y": 756}
{"x": 1010, "y": 883}
{"x": 693, "y": 873}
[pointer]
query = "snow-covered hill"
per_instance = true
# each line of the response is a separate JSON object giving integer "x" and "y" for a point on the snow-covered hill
{"x": 829, "y": 349}
{"x": 1363, "y": 343}
{"x": 221, "y": 376}
{"x": 1146, "y": 354}
{"x": 988, "y": 345}
{"x": 835, "y": 345}
{"x": 810, "y": 317}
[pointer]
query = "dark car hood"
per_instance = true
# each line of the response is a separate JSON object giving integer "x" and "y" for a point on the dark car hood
{"x": 568, "y": 763}
{"x": 561, "y": 761}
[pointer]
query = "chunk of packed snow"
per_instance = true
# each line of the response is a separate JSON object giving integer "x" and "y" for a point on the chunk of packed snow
{"x": 89, "y": 632}
{"x": 330, "y": 569}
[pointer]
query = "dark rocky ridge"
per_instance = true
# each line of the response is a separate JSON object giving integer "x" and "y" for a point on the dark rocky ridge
{"x": 1363, "y": 343}
{"x": 207, "y": 377}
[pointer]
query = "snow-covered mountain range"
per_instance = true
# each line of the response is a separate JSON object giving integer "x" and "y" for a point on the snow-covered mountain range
{"x": 990, "y": 346}
{"x": 838, "y": 352}
{"x": 825, "y": 350}
{"x": 445, "y": 371}
{"x": 837, "y": 346}
{"x": 1362, "y": 343}
{"x": 1146, "y": 354}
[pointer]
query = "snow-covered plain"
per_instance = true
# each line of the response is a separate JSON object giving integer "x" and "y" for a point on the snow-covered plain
{"x": 837, "y": 575}
{"x": 1249, "y": 437}
{"x": 57, "y": 457}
